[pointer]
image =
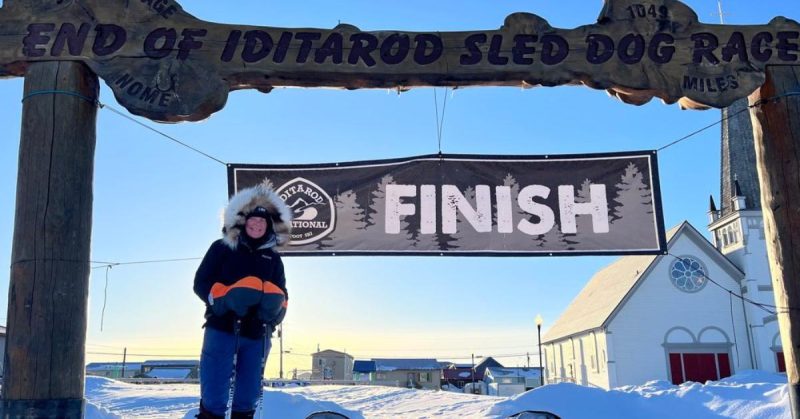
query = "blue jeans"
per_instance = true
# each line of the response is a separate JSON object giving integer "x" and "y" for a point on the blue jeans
{"x": 216, "y": 366}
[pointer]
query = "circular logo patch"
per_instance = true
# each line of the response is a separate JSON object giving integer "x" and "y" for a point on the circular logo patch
{"x": 314, "y": 214}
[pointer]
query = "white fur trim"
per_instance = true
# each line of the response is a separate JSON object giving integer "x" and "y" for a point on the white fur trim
{"x": 246, "y": 200}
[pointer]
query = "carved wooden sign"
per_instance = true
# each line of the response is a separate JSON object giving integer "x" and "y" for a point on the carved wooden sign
{"x": 164, "y": 64}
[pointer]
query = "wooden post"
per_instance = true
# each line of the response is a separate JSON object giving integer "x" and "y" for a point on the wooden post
{"x": 776, "y": 126}
{"x": 48, "y": 292}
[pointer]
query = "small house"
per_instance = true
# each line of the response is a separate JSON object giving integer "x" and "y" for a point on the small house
{"x": 331, "y": 365}
{"x": 411, "y": 373}
{"x": 510, "y": 381}
{"x": 364, "y": 371}
{"x": 456, "y": 375}
{"x": 177, "y": 369}
{"x": 114, "y": 369}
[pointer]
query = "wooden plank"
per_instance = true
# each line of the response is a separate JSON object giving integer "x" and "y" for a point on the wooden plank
{"x": 776, "y": 126}
{"x": 48, "y": 292}
{"x": 164, "y": 64}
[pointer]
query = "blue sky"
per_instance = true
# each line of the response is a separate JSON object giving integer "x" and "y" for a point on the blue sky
{"x": 156, "y": 200}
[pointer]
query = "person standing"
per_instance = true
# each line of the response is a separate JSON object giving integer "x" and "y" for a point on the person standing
{"x": 242, "y": 283}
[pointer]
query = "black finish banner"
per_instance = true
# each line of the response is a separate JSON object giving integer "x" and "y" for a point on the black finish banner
{"x": 470, "y": 205}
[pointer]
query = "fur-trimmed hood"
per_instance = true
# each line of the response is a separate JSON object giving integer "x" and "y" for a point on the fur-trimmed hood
{"x": 244, "y": 201}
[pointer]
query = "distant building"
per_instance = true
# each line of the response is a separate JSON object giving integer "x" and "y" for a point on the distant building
{"x": 510, "y": 381}
{"x": 331, "y": 365}
{"x": 114, "y": 369}
{"x": 480, "y": 368}
{"x": 171, "y": 369}
{"x": 411, "y": 373}
{"x": 456, "y": 375}
{"x": 364, "y": 371}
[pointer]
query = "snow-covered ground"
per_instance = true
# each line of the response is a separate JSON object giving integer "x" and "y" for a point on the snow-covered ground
{"x": 750, "y": 394}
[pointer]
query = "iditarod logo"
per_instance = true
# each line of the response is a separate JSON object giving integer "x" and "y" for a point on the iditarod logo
{"x": 314, "y": 215}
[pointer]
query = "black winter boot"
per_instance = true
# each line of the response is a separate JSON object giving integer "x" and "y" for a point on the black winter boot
{"x": 205, "y": 414}
{"x": 243, "y": 415}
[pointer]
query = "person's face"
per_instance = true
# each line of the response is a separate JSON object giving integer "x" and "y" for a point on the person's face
{"x": 256, "y": 227}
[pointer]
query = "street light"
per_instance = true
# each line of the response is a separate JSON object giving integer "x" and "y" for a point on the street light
{"x": 539, "y": 322}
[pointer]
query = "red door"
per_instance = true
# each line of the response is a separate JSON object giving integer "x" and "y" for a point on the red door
{"x": 698, "y": 367}
{"x": 781, "y": 362}
{"x": 676, "y": 367}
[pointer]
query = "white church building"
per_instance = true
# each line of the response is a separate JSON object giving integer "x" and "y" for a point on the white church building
{"x": 679, "y": 317}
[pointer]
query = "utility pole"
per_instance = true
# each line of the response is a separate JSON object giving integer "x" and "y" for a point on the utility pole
{"x": 280, "y": 339}
{"x": 473, "y": 373}
{"x": 124, "y": 357}
{"x": 539, "y": 321}
{"x": 49, "y": 285}
{"x": 776, "y": 129}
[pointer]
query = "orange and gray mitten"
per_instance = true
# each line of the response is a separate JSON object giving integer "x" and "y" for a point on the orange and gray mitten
{"x": 238, "y": 297}
{"x": 273, "y": 304}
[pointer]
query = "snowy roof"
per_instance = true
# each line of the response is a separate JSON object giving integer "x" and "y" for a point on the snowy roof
{"x": 450, "y": 364}
{"x": 112, "y": 366}
{"x": 486, "y": 362}
{"x": 607, "y": 289}
{"x": 514, "y": 372}
{"x": 364, "y": 366}
{"x": 169, "y": 373}
{"x": 172, "y": 363}
{"x": 405, "y": 364}
{"x": 331, "y": 352}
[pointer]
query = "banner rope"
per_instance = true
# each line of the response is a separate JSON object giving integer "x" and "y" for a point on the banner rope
{"x": 128, "y": 117}
{"x": 759, "y": 103}
{"x": 93, "y": 101}
{"x": 765, "y": 307}
{"x": 105, "y": 299}
{"x": 439, "y": 121}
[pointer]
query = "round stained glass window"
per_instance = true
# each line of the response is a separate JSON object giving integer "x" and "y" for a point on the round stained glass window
{"x": 688, "y": 274}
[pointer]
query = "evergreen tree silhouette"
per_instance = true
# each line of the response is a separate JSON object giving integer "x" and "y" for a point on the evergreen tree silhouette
{"x": 350, "y": 223}
{"x": 427, "y": 242}
{"x": 554, "y": 240}
{"x": 583, "y": 222}
{"x": 267, "y": 183}
{"x": 634, "y": 212}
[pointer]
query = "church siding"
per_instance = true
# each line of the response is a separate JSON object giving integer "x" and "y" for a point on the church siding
{"x": 656, "y": 306}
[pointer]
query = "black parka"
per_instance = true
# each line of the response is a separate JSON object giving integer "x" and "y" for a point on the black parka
{"x": 225, "y": 267}
{"x": 239, "y": 281}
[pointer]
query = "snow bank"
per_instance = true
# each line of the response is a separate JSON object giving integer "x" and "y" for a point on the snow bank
{"x": 747, "y": 395}
{"x": 750, "y": 394}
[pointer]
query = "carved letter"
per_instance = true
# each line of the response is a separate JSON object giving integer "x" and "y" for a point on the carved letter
{"x": 109, "y": 39}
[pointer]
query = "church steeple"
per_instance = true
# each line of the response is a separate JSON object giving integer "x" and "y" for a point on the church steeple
{"x": 738, "y": 159}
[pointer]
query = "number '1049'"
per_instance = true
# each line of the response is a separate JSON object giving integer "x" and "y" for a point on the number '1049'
{"x": 647, "y": 10}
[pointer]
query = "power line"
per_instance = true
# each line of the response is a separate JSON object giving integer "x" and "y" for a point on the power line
{"x": 141, "y": 262}
{"x": 765, "y": 307}
{"x": 130, "y": 118}
{"x": 195, "y": 355}
{"x": 759, "y": 103}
